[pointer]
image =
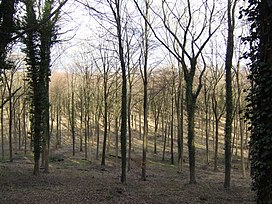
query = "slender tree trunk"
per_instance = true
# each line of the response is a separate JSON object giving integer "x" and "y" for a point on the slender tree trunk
{"x": 140, "y": 123}
{"x": 156, "y": 118}
{"x": 60, "y": 130}
{"x": 117, "y": 15}
{"x": 81, "y": 126}
{"x": 216, "y": 144}
{"x": 213, "y": 131}
{"x": 229, "y": 103}
{"x": 145, "y": 81}
{"x": 164, "y": 141}
{"x": 206, "y": 101}
{"x": 57, "y": 127}
{"x": 145, "y": 133}
{"x": 180, "y": 127}
{"x": 234, "y": 138}
{"x": 19, "y": 129}
{"x": 190, "y": 102}
{"x": 73, "y": 122}
{"x": 10, "y": 126}
{"x": 105, "y": 123}
{"x": 97, "y": 137}
{"x": 24, "y": 129}
{"x": 116, "y": 139}
{"x": 129, "y": 130}
{"x": 86, "y": 132}
{"x": 109, "y": 134}
{"x": 241, "y": 121}
{"x": 242, "y": 147}
{"x": 172, "y": 125}
{"x": 116, "y": 128}
{"x": 237, "y": 130}
{"x": 2, "y": 133}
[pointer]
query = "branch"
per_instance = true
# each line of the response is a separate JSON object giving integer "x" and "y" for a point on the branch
{"x": 44, "y": 21}
{"x": 10, "y": 97}
{"x": 155, "y": 34}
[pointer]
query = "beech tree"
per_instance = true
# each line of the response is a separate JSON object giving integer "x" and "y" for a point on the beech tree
{"x": 186, "y": 38}
{"x": 144, "y": 74}
{"x": 218, "y": 108}
{"x": 115, "y": 6}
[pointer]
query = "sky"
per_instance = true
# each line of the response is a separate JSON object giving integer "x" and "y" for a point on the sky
{"x": 82, "y": 33}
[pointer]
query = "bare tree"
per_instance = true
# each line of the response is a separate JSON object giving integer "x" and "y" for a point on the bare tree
{"x": 187, "y": 45}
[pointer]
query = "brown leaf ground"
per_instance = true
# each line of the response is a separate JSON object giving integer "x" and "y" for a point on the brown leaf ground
{"x": 75, "y": 180}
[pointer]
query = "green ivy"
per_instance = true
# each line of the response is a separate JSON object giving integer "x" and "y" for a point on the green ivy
{"x": 259, "y": 108}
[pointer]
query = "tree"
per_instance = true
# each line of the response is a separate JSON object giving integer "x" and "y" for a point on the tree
{"x": 179, "y": 112}
{"x": 259, "y": 15}
{"x": 229, "y": 103}
{"x": 207, "y": 96}
{"x": 218, "y": 108}
{"x": 39, "y": 38}
{"x": 106, "y": 68}
{"x": 115, "y": 6}
{"x": 187, "y": 49}
{"x": 71, "y": 108}
{"x": 3, "y": 92}
{"x": 8, "y": 76}
{"x": 144, "y": 74}
{"x": 31, "y": 41}
{"x": 156, "y": 102}
{"x": 48, "y": 35}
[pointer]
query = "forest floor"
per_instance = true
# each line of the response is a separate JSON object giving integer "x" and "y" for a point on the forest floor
{"x": 75, "y": 180}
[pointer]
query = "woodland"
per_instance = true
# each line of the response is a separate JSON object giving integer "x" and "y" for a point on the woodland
{"x": 138, "y": 101}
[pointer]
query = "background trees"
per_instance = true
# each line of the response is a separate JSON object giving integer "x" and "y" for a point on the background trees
{"x": 187, "y": 48}
{"x": 109, "y": 84}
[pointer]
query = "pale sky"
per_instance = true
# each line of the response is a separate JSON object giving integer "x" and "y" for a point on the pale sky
{"x": 83, "y": 32}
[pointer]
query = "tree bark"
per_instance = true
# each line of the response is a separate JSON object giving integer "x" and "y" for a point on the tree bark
{"x": 229, "y": 103}
{"x": 190, "y": 103}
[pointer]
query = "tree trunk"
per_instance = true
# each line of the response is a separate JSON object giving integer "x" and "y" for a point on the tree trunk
{"x": 57, "y": 127}
{"x": 25, "y": 130}
{"x": 73, "y": 123}
{"x": 129, "y": 133}
{"x": 229, "y": 103}
{"x": 105, "y": 124}
{"x": 190, "y": 102}
{"x": 164, "y": 141}
{"x": 180, "y": 127}
{"x": 242, "y": 147}
{"x": 81, "y": 124}
{"x": 140, "y": 123}
{"x": 207, "y": 122}
{"x": 2, "y": 133}
{"x": 86, "y": 133}
{"x": 241, "y": 121}
{"x": 97, "y": 137}
{"x": 10, "y": 124}
{"x": 172, "y": 124}
{"x": 117, "y": 14}
{"x": 116, "y": 139}
{"x": 216, "y": 144}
